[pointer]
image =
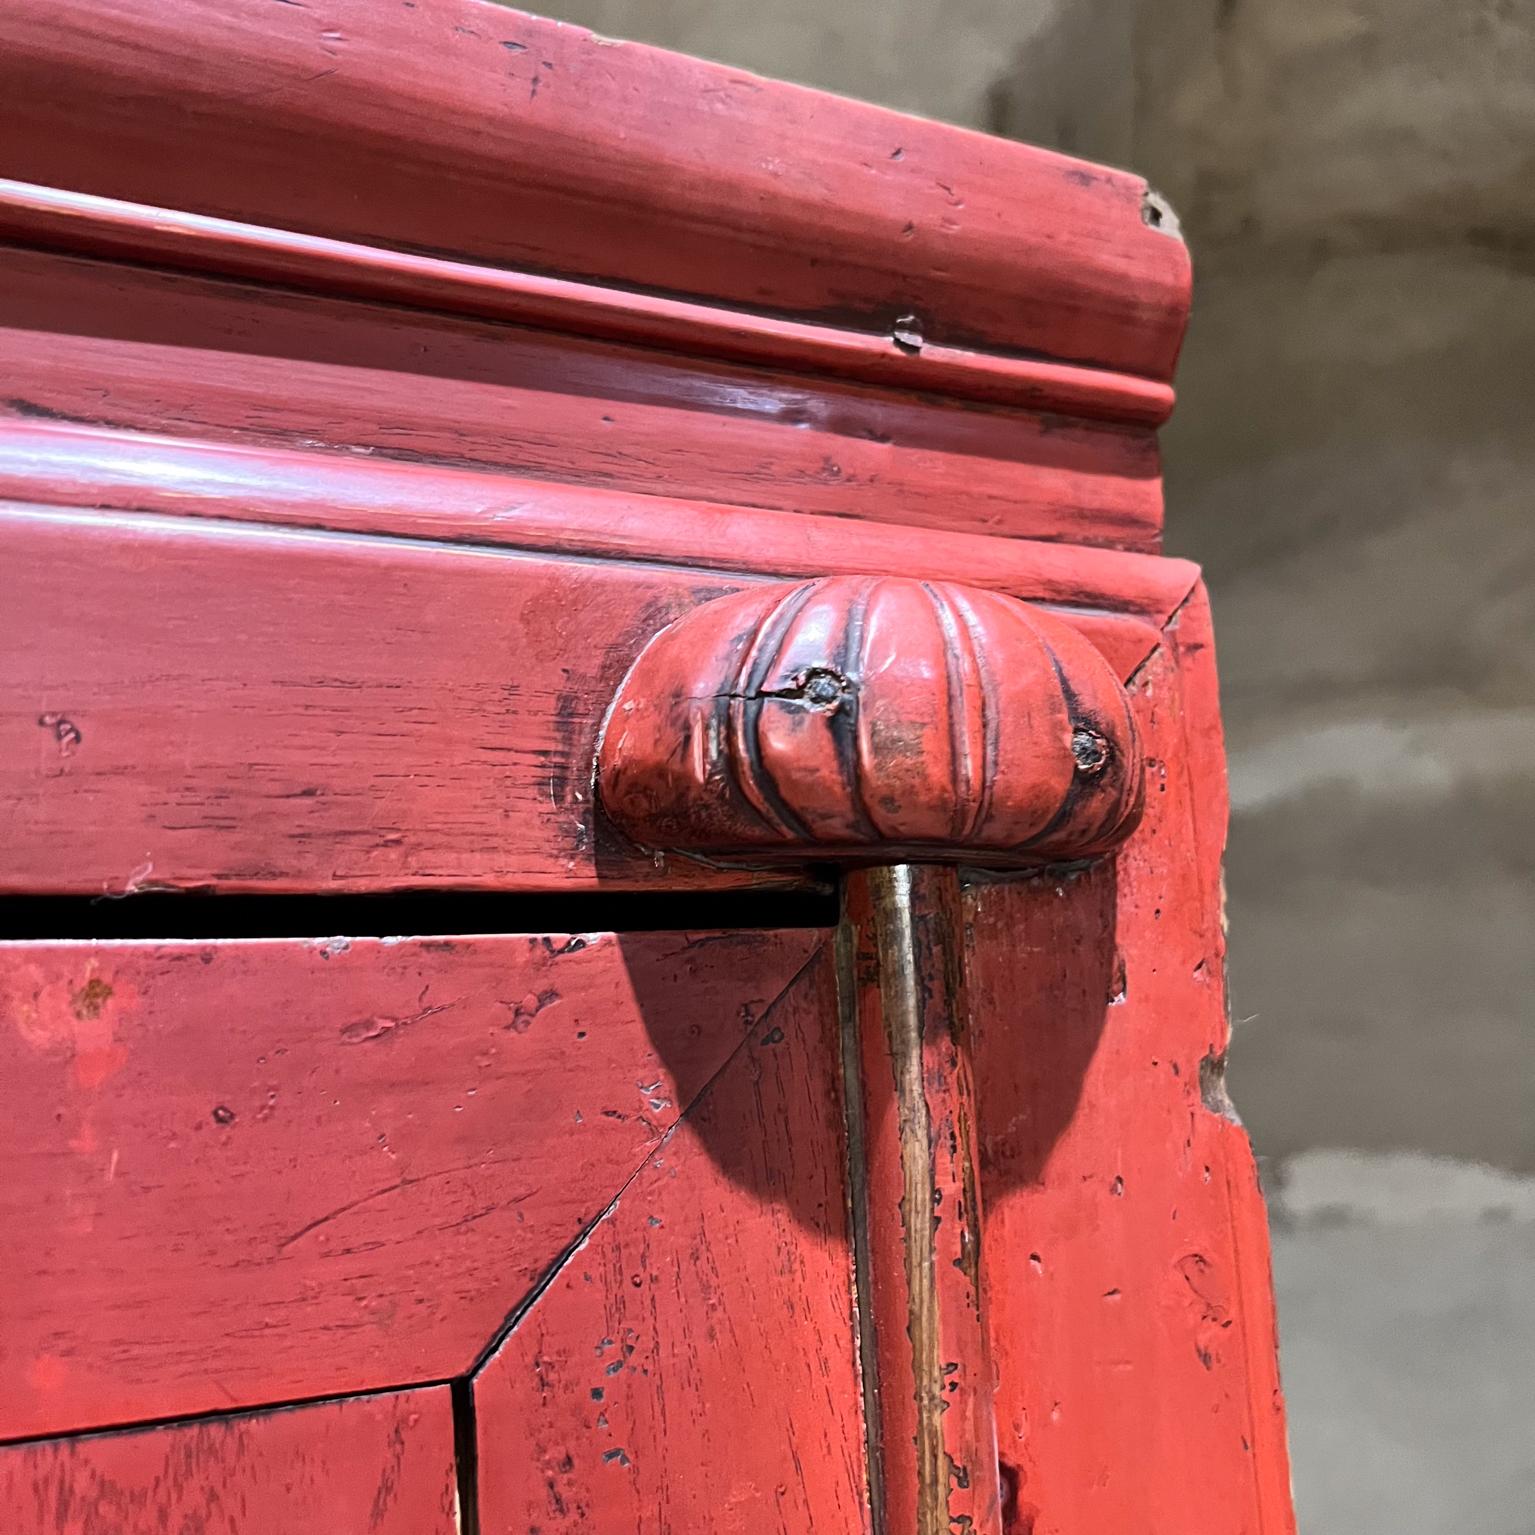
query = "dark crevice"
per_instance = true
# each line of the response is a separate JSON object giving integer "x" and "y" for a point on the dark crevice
{"x": 466, "y": 1456}
{"x": 859, "y": 1218}
{"x": 540, "y": 1288}
{"x": 558, "y": 1266}
{"x": 76, "y": 1433}
{"x": 199, "y": 915}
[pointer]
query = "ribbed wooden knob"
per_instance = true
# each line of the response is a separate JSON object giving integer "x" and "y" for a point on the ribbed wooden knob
{"x": 872, "y": 720}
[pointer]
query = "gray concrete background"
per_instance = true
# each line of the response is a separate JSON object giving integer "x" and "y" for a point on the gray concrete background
{"x": 1352, "y": 461}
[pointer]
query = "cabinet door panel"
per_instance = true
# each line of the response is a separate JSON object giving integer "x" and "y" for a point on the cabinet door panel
{"x": 250, "y": 1172}
{"x": 692, "y": 1365}
{"x": 376, "y": 1465}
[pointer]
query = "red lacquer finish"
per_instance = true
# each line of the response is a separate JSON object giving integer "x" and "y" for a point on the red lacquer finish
{"x": 104, "y": 226}
{"x": 692, "y": 1366}
{"x": 291, "y": 710}
{"x": 1100, "y": 590}
{"x": 373, "y": 1465}
{"x": 188, "y": 356}
{"x": 270, "y": 709}
{"x": 474, "y": 130}
{"x": 256, "y": 1172}
{"x": 872, "y": 720}
{"x": 455, "y": 463}
{"x": 1126, "y": 1256}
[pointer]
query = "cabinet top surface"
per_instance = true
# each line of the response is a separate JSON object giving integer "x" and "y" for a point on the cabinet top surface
{"x": 470, "y": 132}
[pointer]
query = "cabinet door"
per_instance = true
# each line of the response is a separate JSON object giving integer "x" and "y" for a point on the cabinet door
{"x": 583, "y": 1194}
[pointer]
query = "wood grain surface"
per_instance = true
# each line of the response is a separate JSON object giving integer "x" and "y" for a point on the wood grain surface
{"x": 196, "y": 703}
{"x": 372, "y": 1465}
{"x": 1126, "y": 1254}
{"x": 117, "y": 345}
{"x": 692, "y": 1366}
{"x": 82, "y": 224}
{"x": 477, "y": 131}
{"x": 252, "y": 1172}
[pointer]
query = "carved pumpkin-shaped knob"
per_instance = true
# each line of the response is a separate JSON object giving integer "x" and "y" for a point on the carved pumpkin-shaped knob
{"x": 872, "y": 720}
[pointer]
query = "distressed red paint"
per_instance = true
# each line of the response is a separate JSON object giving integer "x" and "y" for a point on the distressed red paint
{"x": 1126, "y": 1258}
{"x": 871, "y": 720}
{"x": 316, "y": 1130}
{"x": 373, "y": 1465}
{"x": 391, "y": 391}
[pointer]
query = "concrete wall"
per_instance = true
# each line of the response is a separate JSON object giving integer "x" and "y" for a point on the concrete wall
{"x": 1353, "y": 461}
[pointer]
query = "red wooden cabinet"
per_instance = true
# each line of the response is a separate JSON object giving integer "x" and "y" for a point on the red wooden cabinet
{"x": 611, "y": 880}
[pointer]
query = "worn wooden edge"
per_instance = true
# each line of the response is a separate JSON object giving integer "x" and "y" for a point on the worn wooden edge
{"x": 485, "y": 134}
{"x": 1240, "y": 1442}
{"x": 47, "y": 218}
{"x": 1190, "y": 633}
{"x": 136, "y": 348}
{"x": 1190, "y": 637}
{"x": 1190, "y": 629}
{"x": 383, "y": 1462}
{"x": 1121, "y": 600}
